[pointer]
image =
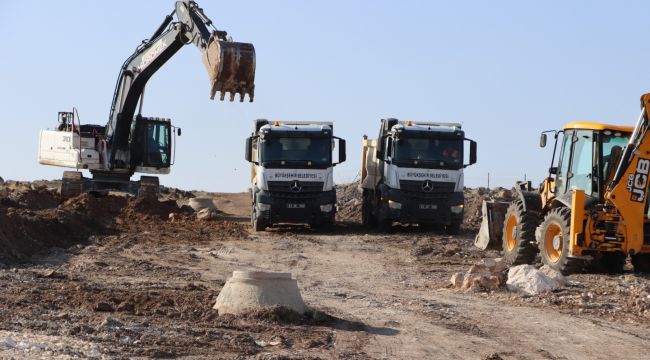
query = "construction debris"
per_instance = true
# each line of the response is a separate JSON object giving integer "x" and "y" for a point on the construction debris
{"x": 487, "y": 274}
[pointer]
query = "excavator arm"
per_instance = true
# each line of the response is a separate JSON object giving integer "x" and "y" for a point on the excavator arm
{"x": 628, "y": 190}
{"x": 230, "y": 66}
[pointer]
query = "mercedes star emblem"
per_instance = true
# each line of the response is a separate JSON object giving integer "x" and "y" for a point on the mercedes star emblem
{"x": 295, "y": 186}
{"x": 427, "y": 186}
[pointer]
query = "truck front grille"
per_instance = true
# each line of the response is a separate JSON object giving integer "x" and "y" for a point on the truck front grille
{"x": 295, "y": 187}
{"x": 426, "y": 186}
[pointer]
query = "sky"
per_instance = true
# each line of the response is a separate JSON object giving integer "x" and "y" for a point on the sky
{"x": 506, "y": 70}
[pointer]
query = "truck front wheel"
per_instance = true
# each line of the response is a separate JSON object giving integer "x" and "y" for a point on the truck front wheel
{"x": 257, "y": 223}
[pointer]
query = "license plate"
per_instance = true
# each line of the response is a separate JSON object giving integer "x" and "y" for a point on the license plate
{"x": 428, "y": 206}
{"x": 295, "y": 206}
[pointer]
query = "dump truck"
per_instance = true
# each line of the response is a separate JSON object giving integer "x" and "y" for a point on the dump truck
{"x": 413, "y": 174}
{"x": 590, "y": 212}
{"x": 292, "y": 172}
{"x": 130, "y": 142}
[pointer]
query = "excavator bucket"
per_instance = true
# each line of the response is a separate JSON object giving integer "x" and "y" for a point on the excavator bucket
{"x": 231, "y": 66}
{"x": 491, "y": 231}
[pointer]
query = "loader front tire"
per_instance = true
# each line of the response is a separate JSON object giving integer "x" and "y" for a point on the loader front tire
{"x": 519, "y": 244}
{"x": 554, "y": 242}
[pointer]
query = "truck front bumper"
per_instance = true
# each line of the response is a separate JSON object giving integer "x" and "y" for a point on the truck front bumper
{"x": 311, "y": 208}
{"x": 425, "y": 208}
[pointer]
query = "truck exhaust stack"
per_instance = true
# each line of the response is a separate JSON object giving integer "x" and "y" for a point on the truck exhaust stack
{"x": 231, "y": 67}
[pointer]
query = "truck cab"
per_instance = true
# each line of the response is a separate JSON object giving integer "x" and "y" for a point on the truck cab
{"x": 413, "y": 174}
{"x": 292, "y": 172}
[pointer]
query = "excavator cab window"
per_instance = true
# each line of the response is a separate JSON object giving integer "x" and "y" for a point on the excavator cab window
{"x": 157, "y": 148}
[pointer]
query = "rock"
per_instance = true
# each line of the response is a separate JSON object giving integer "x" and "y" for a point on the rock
{"x": 110, "y": 323}
{"x": 529, "y": 280}
{"x": 554, "y": 274}
{"x": 2, "y": 181}
{"x": 104, "y": 306}
{"x": 199, "y": 204}
{"x": 487, "y": 274}
{"x": 174, "y": 217}
{"x": 206, "y": 214}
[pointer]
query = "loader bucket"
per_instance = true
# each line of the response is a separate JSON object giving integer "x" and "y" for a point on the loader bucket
{"x": 491, "y": 231}
{"x": 231, "y": 66}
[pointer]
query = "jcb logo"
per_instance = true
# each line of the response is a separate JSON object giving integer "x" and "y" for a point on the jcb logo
{"x": 637, "y": 182}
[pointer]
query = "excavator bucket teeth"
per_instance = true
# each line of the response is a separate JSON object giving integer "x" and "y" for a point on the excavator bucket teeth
{"x": 231, "y": 66}
{"x": 491, "y": 231}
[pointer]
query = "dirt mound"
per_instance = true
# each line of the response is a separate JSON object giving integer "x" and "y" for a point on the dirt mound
{"x": 144, "y": 208}
{"x": 348, "y": 202}
{"x": 24, "y": 232}
{"x": 474, "y": 200}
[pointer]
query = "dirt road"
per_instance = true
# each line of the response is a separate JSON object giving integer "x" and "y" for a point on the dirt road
{"x": 145, "y": 288}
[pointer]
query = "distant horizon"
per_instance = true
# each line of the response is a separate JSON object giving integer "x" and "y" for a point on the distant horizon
{"x": 506, "y": 71}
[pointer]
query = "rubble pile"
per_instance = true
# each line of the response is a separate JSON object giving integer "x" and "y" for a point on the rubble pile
{"x": 348, "y": 202}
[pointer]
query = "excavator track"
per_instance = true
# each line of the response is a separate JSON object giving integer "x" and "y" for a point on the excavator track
{"x": 149, "y": 188}
{"x": 71, "y": 184}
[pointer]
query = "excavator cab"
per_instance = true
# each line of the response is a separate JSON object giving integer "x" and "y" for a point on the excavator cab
{"x": 152, "y": 149}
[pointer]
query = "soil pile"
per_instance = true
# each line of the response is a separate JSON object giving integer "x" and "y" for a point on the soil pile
{"x": 348, "y": 202}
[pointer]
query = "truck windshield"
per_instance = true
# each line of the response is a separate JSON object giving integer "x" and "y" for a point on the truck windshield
{"x": 311, "y": 152}
{"x": 443, "y": 153}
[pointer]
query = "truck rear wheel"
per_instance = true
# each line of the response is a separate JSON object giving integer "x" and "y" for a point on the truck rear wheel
{"x": 641, "y": 263}
{"x": 519, "y": 244}
{"x": 555, "y": 242}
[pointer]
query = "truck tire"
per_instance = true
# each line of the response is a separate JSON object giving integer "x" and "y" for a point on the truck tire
{"x": 384, "y": 223}
{"x": 453, "y": 228}
{"x": 555, "y": 242}
{"x": 519, "y": 244}
{"x": 641, "y": 263}
{"x": 367, "y": 218}
{"x": 257, "y": 223}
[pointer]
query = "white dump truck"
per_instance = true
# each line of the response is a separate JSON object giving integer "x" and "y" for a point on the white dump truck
{"x": 292, "y": 172}
{"x": 413, "y": 174}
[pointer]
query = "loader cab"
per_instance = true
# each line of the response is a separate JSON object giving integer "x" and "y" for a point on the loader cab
{"x": 152, "y": 146}
{"x": 588, "y": 155}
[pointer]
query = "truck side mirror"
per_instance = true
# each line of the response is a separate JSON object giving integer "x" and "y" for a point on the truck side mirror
{"x": 542, "y": 141}
{"x": 248, "y": 154}
{"x": 179, "y": 131}
{"x": 472, "y": 152}
{"x": 341, "y": 150}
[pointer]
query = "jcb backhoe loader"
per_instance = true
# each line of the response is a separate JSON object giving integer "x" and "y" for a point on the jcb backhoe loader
{"x": 592, "y": 209}
{"x": 132, "y": 143}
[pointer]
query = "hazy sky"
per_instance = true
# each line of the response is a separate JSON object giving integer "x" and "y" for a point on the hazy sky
{"x": 505, "y": 69}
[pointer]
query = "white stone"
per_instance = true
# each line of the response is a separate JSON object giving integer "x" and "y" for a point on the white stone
{"x": 201, "y": 203}
{"x": 205, "y": 214}
{"x": 529, "y": 280}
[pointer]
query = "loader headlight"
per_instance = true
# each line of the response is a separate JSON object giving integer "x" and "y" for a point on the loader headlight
{"x": 326, "y": 207}
{"x": 457, "y": 209}
{"x": 394, "y": 205}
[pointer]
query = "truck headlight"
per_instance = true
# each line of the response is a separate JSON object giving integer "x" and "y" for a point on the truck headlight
{"x": 326, "y": 207}
{"x": 394, "y": 205}
{"x": 457, "y": 209}
{"x": 264, "y": 207}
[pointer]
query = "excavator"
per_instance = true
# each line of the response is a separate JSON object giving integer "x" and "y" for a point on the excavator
{"x": 130, "y": 142}
{"x": 590, "y": 212}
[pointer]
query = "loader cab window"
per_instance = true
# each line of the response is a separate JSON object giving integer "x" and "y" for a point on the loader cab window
{"x": 612, "y": 145}
{"x": 157, "y": 144}
{"x": 563, "y": 163}
{"x": 583, "y": 174}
